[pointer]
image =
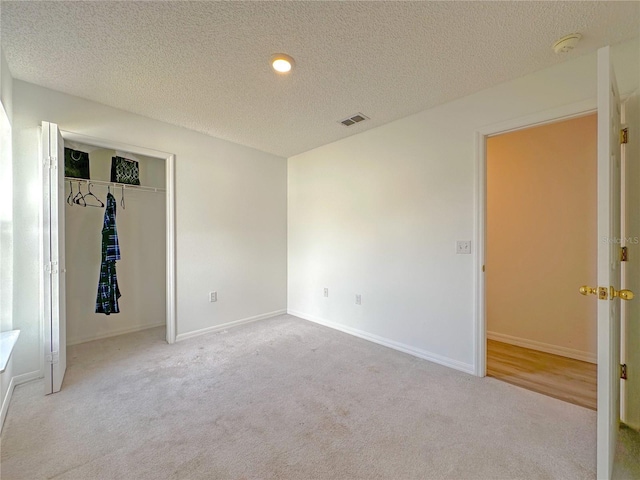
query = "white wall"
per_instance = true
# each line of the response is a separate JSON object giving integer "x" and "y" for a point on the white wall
{"x": 378, "y": 214}
{"x": 6, "y": 198}
{"x": 6, "y": 227}
{"x": 537, "y": 180}
{"x": 142, "y": 268}
{"x": 231, "y": 214}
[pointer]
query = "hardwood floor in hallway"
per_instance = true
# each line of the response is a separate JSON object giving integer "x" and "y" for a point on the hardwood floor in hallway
{"x": 573, "y": 381}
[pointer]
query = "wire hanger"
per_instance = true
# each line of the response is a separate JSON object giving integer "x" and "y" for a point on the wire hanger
{"x": 91, "y": 194}
{"x": 70, "y": 197}
{"x": 79, "y": 197}
{"x": 122, "y": 198}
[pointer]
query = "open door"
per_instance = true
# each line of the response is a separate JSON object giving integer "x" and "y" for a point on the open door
{"x": 55, "y": 335}
{"x": 609, "y": 271}
{"x": 630, "y": 388}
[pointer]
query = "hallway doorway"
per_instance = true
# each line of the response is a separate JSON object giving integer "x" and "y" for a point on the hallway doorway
{"x": 541, "y": 242}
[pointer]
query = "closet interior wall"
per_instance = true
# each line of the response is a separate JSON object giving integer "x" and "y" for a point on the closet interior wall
{"x": 142, "y": 269}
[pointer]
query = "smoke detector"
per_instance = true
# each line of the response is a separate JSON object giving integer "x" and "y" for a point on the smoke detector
{"x": 567, "y": 43}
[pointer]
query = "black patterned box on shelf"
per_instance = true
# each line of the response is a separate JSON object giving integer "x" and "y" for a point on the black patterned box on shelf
{"x": 124, "y": 170}
{"x": 76, "y": 163}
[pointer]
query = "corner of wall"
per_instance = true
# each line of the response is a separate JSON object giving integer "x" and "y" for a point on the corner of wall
{"x": 389, "y": 343}
{"x": 9, "y": 383}
{"x": 6, "y": 86}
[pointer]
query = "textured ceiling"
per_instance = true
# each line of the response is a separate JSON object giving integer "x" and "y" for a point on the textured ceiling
{"x": 204, "y": 65}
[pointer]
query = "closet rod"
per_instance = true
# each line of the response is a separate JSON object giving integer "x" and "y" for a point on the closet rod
{"x": 114, "y": 184}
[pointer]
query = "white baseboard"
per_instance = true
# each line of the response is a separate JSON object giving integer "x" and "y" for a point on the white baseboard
{"x": 113, "y": 333}
{"x": 5, "y": 402}
{"x": 416, "y": 352}
{"x": 544, "y": 347}
{"x": 224, "y": 326}
{"x": 13, "y": 383}
{"x": 27, "y": 377}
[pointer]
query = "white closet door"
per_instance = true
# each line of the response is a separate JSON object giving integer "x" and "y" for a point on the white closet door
{"x": 53, "y": 245}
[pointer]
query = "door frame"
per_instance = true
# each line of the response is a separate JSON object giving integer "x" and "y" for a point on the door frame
{"x": 566, "y": 112}
{"x": 169, "y": 158}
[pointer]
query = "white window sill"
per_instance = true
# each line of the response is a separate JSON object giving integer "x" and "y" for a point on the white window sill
{"x": 7, "y": 342}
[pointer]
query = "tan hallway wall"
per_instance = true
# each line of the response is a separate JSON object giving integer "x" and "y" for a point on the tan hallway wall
{"x": 541, "y": 237}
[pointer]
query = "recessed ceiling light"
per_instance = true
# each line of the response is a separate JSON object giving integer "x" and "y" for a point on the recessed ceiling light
{"x": 282, "y": 63}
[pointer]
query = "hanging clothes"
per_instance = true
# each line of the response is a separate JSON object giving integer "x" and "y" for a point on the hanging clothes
{"x": 108, "y": 291}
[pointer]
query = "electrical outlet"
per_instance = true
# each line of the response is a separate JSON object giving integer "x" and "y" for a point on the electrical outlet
{"x": 326, "y": 292}
{"x": 358, "y": 299}
{"x": 213, "y": 296}
{"x": 463, "y": 247}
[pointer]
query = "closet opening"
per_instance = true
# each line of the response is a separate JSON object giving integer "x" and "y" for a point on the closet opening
{"x": 100, "y": 182}
{"x": 108, "y": 245}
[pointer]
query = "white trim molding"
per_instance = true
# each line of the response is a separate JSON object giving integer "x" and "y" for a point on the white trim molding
{"x": 480, "y": 220}
{"x": 544, "y": 347}
{"x": 27, "y": 377}
{"x": 172, "y": 317}
{"x": 224, "y": 326}
{"x": 13, "y": 383}
{"x": 6, "y": 401}
{"x": 385, "y": 342}
{"x": 113, "y": 333}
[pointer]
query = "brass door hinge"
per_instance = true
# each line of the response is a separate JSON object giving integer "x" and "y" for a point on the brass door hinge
{"x": 624, "y": 135}
{"x": 624, "y": 254}
{"x": 623, "y": 371}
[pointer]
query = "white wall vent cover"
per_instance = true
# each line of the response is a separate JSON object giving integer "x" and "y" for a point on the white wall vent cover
{"x": 353, "y": 119}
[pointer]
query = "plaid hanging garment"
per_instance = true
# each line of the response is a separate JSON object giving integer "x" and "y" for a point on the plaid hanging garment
{"x": 108, "y": 291}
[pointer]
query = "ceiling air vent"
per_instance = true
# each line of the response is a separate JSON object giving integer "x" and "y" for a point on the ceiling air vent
{"x": 352, "y": 120}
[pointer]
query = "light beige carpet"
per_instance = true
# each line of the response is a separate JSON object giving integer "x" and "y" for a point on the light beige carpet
{"x": 627, "y": 464}
{"x": 284, "y": 398}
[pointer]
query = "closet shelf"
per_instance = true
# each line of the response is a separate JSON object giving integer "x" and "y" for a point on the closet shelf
{"x": 114, "y": 184}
